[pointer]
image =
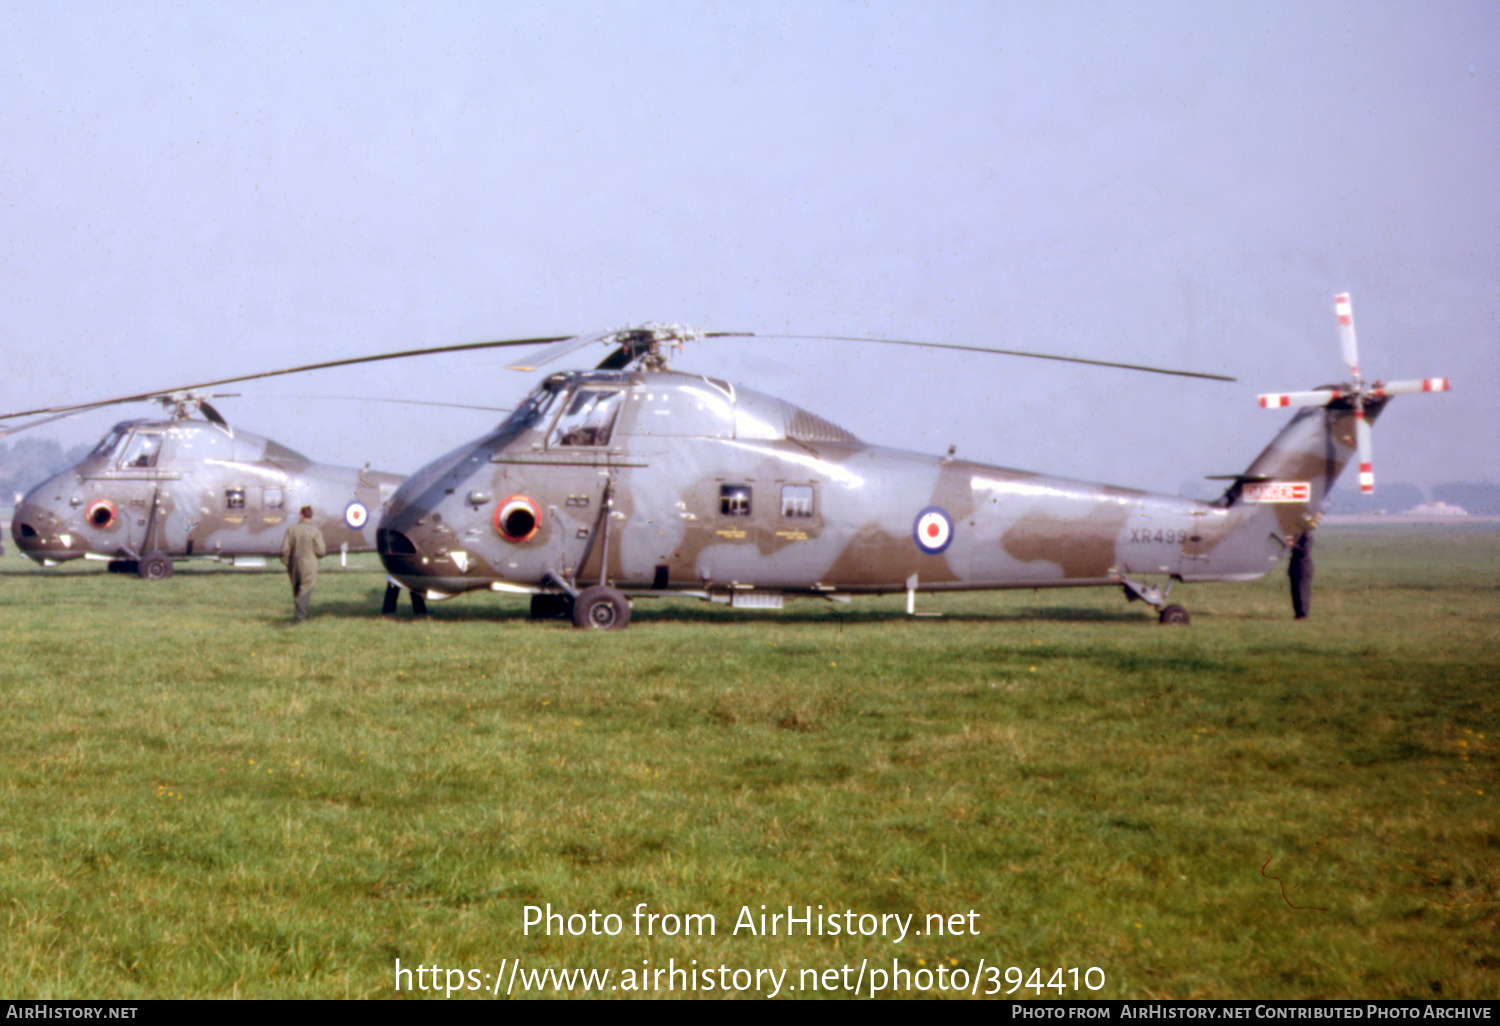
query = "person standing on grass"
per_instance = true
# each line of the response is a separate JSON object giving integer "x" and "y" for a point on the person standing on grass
{"x": 301, "y": 549}
{"x": 1300, "y": 572}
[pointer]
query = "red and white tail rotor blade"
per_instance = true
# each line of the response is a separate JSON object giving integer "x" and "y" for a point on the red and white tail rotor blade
{"x": 1278, "y": 400}
{"x": 1357, "y": 392}
{"x": 1362, "y": 443}
{"x": 1410, "y": 387}
{"x": 1345, "y": 312}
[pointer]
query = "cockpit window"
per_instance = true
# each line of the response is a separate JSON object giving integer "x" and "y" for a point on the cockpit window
{"x": 107, "y": 444}
{"x": 141, "y": 450}
{"x": 589, "y": 418}
{"x": 532, "y": 412}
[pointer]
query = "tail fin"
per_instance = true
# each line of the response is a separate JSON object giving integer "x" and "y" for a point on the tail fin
{"x": 1295, "y": 473}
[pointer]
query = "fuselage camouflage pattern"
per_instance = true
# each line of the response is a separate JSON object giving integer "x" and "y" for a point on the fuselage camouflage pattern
{"x": 659, "y": 482}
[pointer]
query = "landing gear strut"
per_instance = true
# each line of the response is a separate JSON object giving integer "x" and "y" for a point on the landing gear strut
{"x": 393, "y": 598}
{"x": 1156, "y": 595}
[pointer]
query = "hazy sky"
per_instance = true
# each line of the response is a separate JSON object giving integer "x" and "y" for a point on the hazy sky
{"x": 189, "y": 191}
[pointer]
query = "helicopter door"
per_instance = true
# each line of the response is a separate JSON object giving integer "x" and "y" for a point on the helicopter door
{"x": 580, "y": 441}
{"x": 138, "y": 463}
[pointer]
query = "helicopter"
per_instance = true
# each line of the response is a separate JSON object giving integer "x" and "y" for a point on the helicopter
{"x": 154, "y": 491}
{"x": 634, "y": 480}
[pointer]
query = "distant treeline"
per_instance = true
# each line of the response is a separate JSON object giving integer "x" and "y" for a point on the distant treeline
{"x": 30, "y": 461}
{"x": 1395, "y": 498}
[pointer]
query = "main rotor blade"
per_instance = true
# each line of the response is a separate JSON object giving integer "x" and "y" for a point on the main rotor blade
{"x": 7, "y": 430}
{"x": 635, "y": 341}
{"x": 1010, "y": 352}
{"x": 556, "y": 351}
{"x": 382, "y": 399}
{"x": 213, "y": 415}
{"x": 325, "y": 365}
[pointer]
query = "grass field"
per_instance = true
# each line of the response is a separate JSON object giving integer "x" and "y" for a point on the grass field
{"x": 200, "y": 800}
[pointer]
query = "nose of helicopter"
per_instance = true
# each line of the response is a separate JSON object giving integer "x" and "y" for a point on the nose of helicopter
{"x": 420, "y": 549}
{"x": 43, "y": 536}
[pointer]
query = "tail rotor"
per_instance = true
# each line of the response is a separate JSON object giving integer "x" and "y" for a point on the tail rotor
{"x": 1356, "y": 392}
{"x": 1354, "y": 396}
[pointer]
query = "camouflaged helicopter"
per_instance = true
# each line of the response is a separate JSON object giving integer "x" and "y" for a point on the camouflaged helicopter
{"x": 634, "y": 480}
{"x": 154, "y": 491}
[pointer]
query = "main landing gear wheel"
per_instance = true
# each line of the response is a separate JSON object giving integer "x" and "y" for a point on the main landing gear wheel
{"x": 1175, "y": 614}
{"x": 155, "y": 566}
{"x": 601, "y": 608}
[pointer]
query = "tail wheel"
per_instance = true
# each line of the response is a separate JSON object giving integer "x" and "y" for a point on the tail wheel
{"x": 601, "y": 608}
{"x": 155, "y": 566}
{"x": 1175, "y": 614}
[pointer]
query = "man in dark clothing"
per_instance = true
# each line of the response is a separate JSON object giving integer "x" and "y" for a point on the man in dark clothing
{"x": 301, "y": 549}
{"x": 1300, "y": 571}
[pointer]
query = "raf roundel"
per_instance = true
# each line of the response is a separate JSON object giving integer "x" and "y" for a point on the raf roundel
{"x": 933, "y": 530}
{"x": 355, "y": 515}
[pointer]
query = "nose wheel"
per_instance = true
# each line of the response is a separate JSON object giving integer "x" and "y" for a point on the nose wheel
{"x": 154, "y": 566}
{"x": 601, "y": 608}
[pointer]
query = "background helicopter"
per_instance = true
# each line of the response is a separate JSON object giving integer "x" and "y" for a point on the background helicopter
{"x": 633, "y": 479}
{"x": 154, "y": 491}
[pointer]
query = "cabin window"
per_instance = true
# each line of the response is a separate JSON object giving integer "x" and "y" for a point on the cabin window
{"x": 797, "y": 501}
{"x": 142, "y": 450}
{"x": 234, "y": 498}
{"x": 273, "y": 499}
{"x": 589, "y": 418}
{"x": 734, "y": 500}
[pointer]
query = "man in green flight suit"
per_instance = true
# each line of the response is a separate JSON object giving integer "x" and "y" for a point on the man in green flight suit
{"x": 300, "y": 551}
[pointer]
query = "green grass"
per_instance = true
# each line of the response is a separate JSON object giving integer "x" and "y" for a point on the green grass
{"x": 198, "y": 799}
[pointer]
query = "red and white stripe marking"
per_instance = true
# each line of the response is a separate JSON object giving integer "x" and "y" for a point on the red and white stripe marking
{"x": 1342, "y": 307}
{"x": 1277, "y": 400}
{"x": 1278, "y": 491}
{"x": 1345, "y": 312}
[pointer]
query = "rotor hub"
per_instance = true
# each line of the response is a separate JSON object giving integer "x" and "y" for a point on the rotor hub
{"x": 650, "y": 344}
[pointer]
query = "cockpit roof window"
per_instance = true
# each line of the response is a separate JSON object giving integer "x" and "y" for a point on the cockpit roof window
{"x": 107, "y": 444}
{"x": 533, "y": 409}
